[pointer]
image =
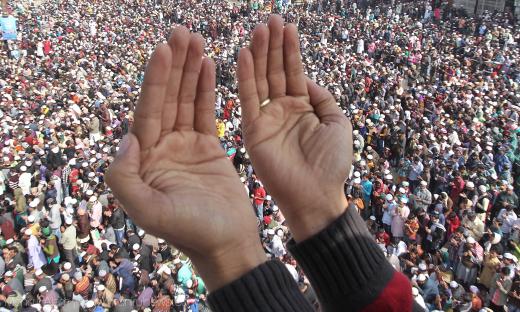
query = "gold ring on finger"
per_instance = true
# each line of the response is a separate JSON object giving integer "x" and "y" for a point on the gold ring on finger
{"x": 265, "y": 102}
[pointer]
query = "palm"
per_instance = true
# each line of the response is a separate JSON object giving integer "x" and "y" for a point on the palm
{"x": 288, "y": 143}
{"x": 300, "y": 143}
{"x": 196, "y": 180}
{"x": 175, "y": 180}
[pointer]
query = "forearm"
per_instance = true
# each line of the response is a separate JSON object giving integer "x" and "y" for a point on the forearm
{"x": 220, "y": 270}
{"x": 303, "y": 226}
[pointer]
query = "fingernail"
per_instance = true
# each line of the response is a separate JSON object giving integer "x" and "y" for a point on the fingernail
{"x": 123, "y": 146}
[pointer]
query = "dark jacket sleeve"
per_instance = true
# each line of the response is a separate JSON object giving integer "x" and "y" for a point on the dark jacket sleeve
{"x": 348, "y": 269}
{"x": 345, "y": 266}
{"x": 267, "y": 288}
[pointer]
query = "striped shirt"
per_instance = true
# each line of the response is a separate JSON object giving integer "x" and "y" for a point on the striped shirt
{"x": 82, "y": 287}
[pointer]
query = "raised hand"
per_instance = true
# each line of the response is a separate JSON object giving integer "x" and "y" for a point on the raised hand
{"x": 299, "y": 141}
{"x": 171, "y": 175}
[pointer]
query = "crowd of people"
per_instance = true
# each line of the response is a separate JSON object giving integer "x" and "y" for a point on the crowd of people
{"x": 433, "y": 96}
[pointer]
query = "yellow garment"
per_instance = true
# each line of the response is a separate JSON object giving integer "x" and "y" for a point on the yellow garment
{"x": 488, "y": 271}
{"x": 221, "y": 129}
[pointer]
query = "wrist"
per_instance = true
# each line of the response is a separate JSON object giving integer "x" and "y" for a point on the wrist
{"x": 309, "y": 222}
{"x": 220, "y": 270}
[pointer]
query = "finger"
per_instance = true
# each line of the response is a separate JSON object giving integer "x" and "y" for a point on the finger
{"x": 190, "y": 77}
{"x": 294, "y": 75}
{"x": 178, "y": 42}
{"x": 259, "y": 49}
{"x": 148, "y": 114}
{"x": 323, "y": 103}
{"x": 247, "y": 90}
{"x": 124, "y": 180}
{"x": 275, "y": 69}
{"x": 205, "y": 100}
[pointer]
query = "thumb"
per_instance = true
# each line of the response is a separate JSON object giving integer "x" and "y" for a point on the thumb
{"x": 323, "y": 103}
{"x": 123, "y": 175}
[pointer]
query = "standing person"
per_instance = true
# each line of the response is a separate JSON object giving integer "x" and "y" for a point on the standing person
{"x": 68, "y": 241}
{"x": 399, "y": 218}
{"x": 388, "y": 213}
{"x": 259, "y": 195}
{"x": 94, "y": 129}
{"x": 55, "y": 218}
{"x": 117, "y": 220}
{"x": 482, "y": 204}
{"x": 95, "y": 212}
{"x": 471, "y": 256}
{"x": 435, "y": 233}
{"x": 360, "y": 46}
{"x": 411, "y": 227}
{"x": 21, "y": 203}
{"x": 457, "y": 186}
{"x": 83, "y": 226}
{"x": 367, "y": 187}
{"x": 499, "y": 291}
{"x": 24, "y": 181}
{"x": 508, "y": 218}
{"x": 51, "y": 246}
{"x": 423, "y": 197}
{"x": 513, "y": 302}
{"x": 34, "y": 250}
{"x": 503, "y": 200}
{"x": 416, "y": 170}
{"x": 490, "y": 264}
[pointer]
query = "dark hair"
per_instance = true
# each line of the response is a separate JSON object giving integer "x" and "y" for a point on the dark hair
{"x": 505, "y": 270}
{"x": 44, "y": 223}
